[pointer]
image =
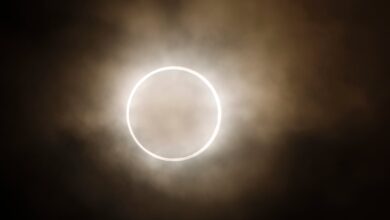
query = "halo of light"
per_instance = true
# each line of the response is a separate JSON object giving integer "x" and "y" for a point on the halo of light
{"x": 216, "y": 98}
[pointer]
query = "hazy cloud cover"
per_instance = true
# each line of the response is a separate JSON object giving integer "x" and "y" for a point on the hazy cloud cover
{"x": 302, "y": 87}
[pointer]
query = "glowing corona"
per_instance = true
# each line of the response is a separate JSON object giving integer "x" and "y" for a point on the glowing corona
{"x": 206, "y": 82}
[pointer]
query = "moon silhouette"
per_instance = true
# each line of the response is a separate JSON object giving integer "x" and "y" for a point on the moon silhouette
{"x": 183, "y": 70}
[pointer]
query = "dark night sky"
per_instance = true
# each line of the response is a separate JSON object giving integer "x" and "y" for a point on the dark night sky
{"x": 305, "y": 92}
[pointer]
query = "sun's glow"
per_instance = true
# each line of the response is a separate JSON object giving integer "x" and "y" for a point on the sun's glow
{"x": 185, "y": 71}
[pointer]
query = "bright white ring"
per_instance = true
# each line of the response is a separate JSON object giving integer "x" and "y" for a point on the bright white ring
{"x": 216, "y": 98}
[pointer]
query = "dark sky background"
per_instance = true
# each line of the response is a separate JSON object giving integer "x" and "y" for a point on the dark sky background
{"x": 304, "y": 91}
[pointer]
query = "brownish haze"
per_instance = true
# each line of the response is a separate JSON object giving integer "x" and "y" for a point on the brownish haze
{"x": 302, "y": 86}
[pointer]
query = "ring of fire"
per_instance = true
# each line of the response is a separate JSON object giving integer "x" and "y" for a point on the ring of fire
{"x": 215, "y": 96}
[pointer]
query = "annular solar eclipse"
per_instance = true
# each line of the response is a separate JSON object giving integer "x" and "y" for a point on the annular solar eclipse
{"x": 182, "y": 70}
